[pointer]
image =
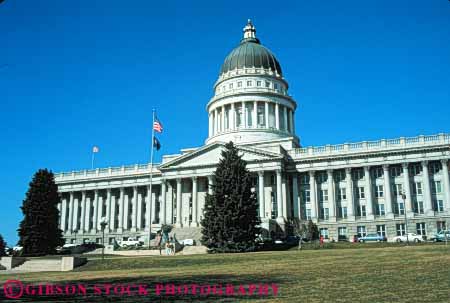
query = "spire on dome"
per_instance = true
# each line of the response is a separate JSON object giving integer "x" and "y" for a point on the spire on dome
{"x": 249, "y": 30}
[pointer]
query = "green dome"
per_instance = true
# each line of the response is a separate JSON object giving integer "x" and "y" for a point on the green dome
{"x": 250, "y": 53}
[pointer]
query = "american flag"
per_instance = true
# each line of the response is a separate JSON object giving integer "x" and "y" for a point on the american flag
{"x": 157, "y": 126}
{"x": 95, "y": 149}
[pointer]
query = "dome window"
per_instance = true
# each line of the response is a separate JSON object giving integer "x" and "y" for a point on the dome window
{"x": 231, "y": 86}
{"x": 267, "y": 84}
{"x": 249, "y": 83}
{"x": 239, "y": 84}
{"x": 258, "y": 83}
{"x": 275, "y": 86}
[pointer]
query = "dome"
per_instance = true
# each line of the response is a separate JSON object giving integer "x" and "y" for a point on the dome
{"x": 250, "y": 54}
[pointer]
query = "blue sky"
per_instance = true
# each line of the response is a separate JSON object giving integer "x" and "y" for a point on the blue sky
{"x": 74, "y": 74}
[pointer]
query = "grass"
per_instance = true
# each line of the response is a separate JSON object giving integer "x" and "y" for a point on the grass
{"x": 365, "y": 273}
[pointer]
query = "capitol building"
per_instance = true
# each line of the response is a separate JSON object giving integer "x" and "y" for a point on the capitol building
{"x": 347, "y": 189}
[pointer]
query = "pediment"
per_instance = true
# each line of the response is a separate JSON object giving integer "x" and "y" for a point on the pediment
{"x": 209, "y": 155}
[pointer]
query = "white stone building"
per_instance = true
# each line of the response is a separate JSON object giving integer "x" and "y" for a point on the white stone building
{"x": 347, "y": 189}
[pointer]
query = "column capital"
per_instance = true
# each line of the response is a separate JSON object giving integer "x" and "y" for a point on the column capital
{"x": 348, "y": 170}
{"x": 405, "y": 165}
{"x": 135, "y": 188}
{"x": 366, "y": 168}
{"x": 83, "y": 194}
{"x": 424, "y": 163}
{"x": 386, "y": 167}
{"x": 178, "y": 180}
{"x": 278, "y": 171}
{"x": 329, "y": 172}
{"x": 122, "y": 189}
{"x": 312, "y": 173}
{"x": 444, "y": 162}
{"x": 261, "y": 173}
{"x": 194, "y": 178}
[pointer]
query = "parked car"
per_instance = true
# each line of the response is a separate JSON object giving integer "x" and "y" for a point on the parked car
{"x": 440, "y": 236}
{"x": 187, "y": 242}
{"x": 372, "y": 238}
{"x": 131, "y": 242}
{"x": 412, "y": 237}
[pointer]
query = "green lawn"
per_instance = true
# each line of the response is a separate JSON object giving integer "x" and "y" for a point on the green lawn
{"x": 367, "y": 274}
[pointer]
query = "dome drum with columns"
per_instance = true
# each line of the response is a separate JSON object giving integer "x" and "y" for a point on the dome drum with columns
{"x": 251, "y": 101}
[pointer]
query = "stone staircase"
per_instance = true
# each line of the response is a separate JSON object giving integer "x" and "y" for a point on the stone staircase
{"x": 36, "y": 265}
{"x": 187, "y": 233}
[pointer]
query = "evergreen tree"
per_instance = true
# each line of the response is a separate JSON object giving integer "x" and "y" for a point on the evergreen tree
{"x": 231, "y": 212}
{"x": 2, "y": 246}
{"x": 313, "y": 231}
{"x": 39, "y": 230}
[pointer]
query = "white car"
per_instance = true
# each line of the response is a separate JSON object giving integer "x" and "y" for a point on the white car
{"x": 131, "y": 242}
{"x": 187, "y": 242}
{"x": 412, "y": 237}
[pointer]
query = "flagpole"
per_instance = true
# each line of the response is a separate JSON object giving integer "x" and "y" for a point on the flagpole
{"x": 150, "y": 186}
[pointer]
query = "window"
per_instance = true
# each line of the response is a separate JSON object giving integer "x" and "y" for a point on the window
{"x": 339, "y": 175}
{"x": 267, "y": 84}
{"x": 379, "y": 191}
{"x": 308, "y": 214}
{"x": 362, "y": 210}
{"x": 419, "y": 207}
{"x": 400, "y": 229}
{"x": 324, "y": 195}
{"x": 441, "y": 226}
{"x": 361, "y": 231}
{"x": 272, "y": 179}
{"x": 440, "y": 205}
{"x": 396, "y": 171}
{"x": 261, "y": 115}
{"x": 344, "y": 212}
{"x": 342, "y": 194}
{"x": 436, "y": 187}
{"x": 274, "y": 205}
{"x": 360, "y": 192}
{"x": 377, "y": 172}
{"x": 381, "y": 211}
{"x": 230, "y": 86}
{"x": 417, "y": 188}
{"x": 401, "y": 208}
{"x": 322, "y": 177}
{"x": 342, "y": 233}
{"x": 249, "y": 83}
{"x": 304, "y": 179}
{"x": 324, "y": 233}
{"x": 415, "y": 169}
{"x": 381, "y": 230}
{"x": 398, "y": 189}
{"x": 239, "y": 84}
{"x": 306, "y": 195}
{"x": 358, "y": 174}
{"x": 325, "y": 213}
{"x": 435, "y": 167}
{"x": 420, "y": 228}
{"x": 275, "y": 86}
{"x": 258, "y": 83}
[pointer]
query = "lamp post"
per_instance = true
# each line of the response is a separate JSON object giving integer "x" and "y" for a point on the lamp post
{"x": 406, "y": 218}
{"x": 103, "y": 223}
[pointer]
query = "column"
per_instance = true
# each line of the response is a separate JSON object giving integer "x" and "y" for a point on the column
{"x": 215, "y": 122}
{"x": 126, "y": 210}
{"x": 369, "y": 199}
{"x": 87, "y": 218}
{"x": 255, "y": 114}
{"x": 223, "y": 118}
{"x": 231, "y": 117}
{"x": 83, "y": 210}
{"x": 446, "y": 182}
{"x": 139, "y": 211}
{"x": 279, "y": 196}
{"x": 262, "y": 201}
{"x": 170, "y": 199}
{"x": 121, "y": 209}
{"x": 153, "y": 214}
{"x": 210, "y": 124}
{"x": 194, "y": 201}
{"x": 428, "y": 208}
{"x": 148, "y": 209}
{"x": 266, "y": 114}
{"x": 295, "y": 196}
{"x": 108, "y": 216}
{"x": 110, "y": 211}
{"x": 163, "y": 202}
{"x": 244, "y": 115}
{"x": 285, "y": 118}
{"x": 407, "y": 191}
{"x": 63, "y": 214}
{"x": 331, "y": 196}
{"x": 277, "y": 116}
{"x": 292, "y": 122}
{"x": 349, "y": 194}
{"x": 96, "y": 210}
{"x": 210, "y": 184}
{"x": 313, "y": 196}
{"x": 387, "y": 192}
{"x": 75, "y": 215}
{"x": 134, "y": 213}
{"x": 284, "y": 197}
{"x": 179, "y": 222}
{"x": 71, "y": 208}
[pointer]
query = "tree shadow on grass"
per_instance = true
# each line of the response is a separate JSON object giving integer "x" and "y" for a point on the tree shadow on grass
{"x": 217, "y": 292}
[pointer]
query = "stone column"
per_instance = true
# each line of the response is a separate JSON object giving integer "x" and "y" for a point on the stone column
{"x": 75, "y": 215}
{"x": 407, "y": 190}
{"x": 223, "y": 118}
{"x": 179, "y": 222}
{"x": 277, "y": 116}
{"x": 83, "y": 210}
{"x": 110, "y": 211}
{"x": 87, "y": 218}
{"x": 387, "y": 192}
{"x": 139, "y": 211}
{"x": 266, "y": 114}
{"x": 62, "y": 213}
{"x": 134, "y": 212}
{"x": 148, "y": 209}
{"x": 331, "y": 196}
{"x": 210, "y": 184}
{"x": 285, "y": 195}
{"x": 313, "y": 196}
{"x": 262, "y": 204}
{"x": 285, "y": 118}
{"x": 163, "y": 202}
{"x": 292, "y": 122}
{"x": 349, "y": 194}
{"x": 154, "y": 197}
{"x": 121, "y": 209}
{"x": 194, "y": 202}
{"x": 71, "y": 208}
{"x": 216, "y": 123}
{"x": 96, "y": 210}
{"x": 445, "y": 178}
{"x": 126, "y": 210}
{"x": 244, "y": 116}
{"x": 210, "y": 125}
{"x": 428, "y": 208}
{"x": 255, "y": 114}
{"x": 295, "y": 196}
{"x": 279, "y": 196}
{"x": 369, "y": 199}
{"x": 231, "y": 117}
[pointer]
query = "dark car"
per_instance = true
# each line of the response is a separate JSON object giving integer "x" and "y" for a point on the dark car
{"x": 372, "y": 238}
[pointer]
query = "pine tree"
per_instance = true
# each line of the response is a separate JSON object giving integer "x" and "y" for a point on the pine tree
{"x": 2, "y": 246}
{"x": 231, "y": 218}
{"x": 39, "y": 230}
